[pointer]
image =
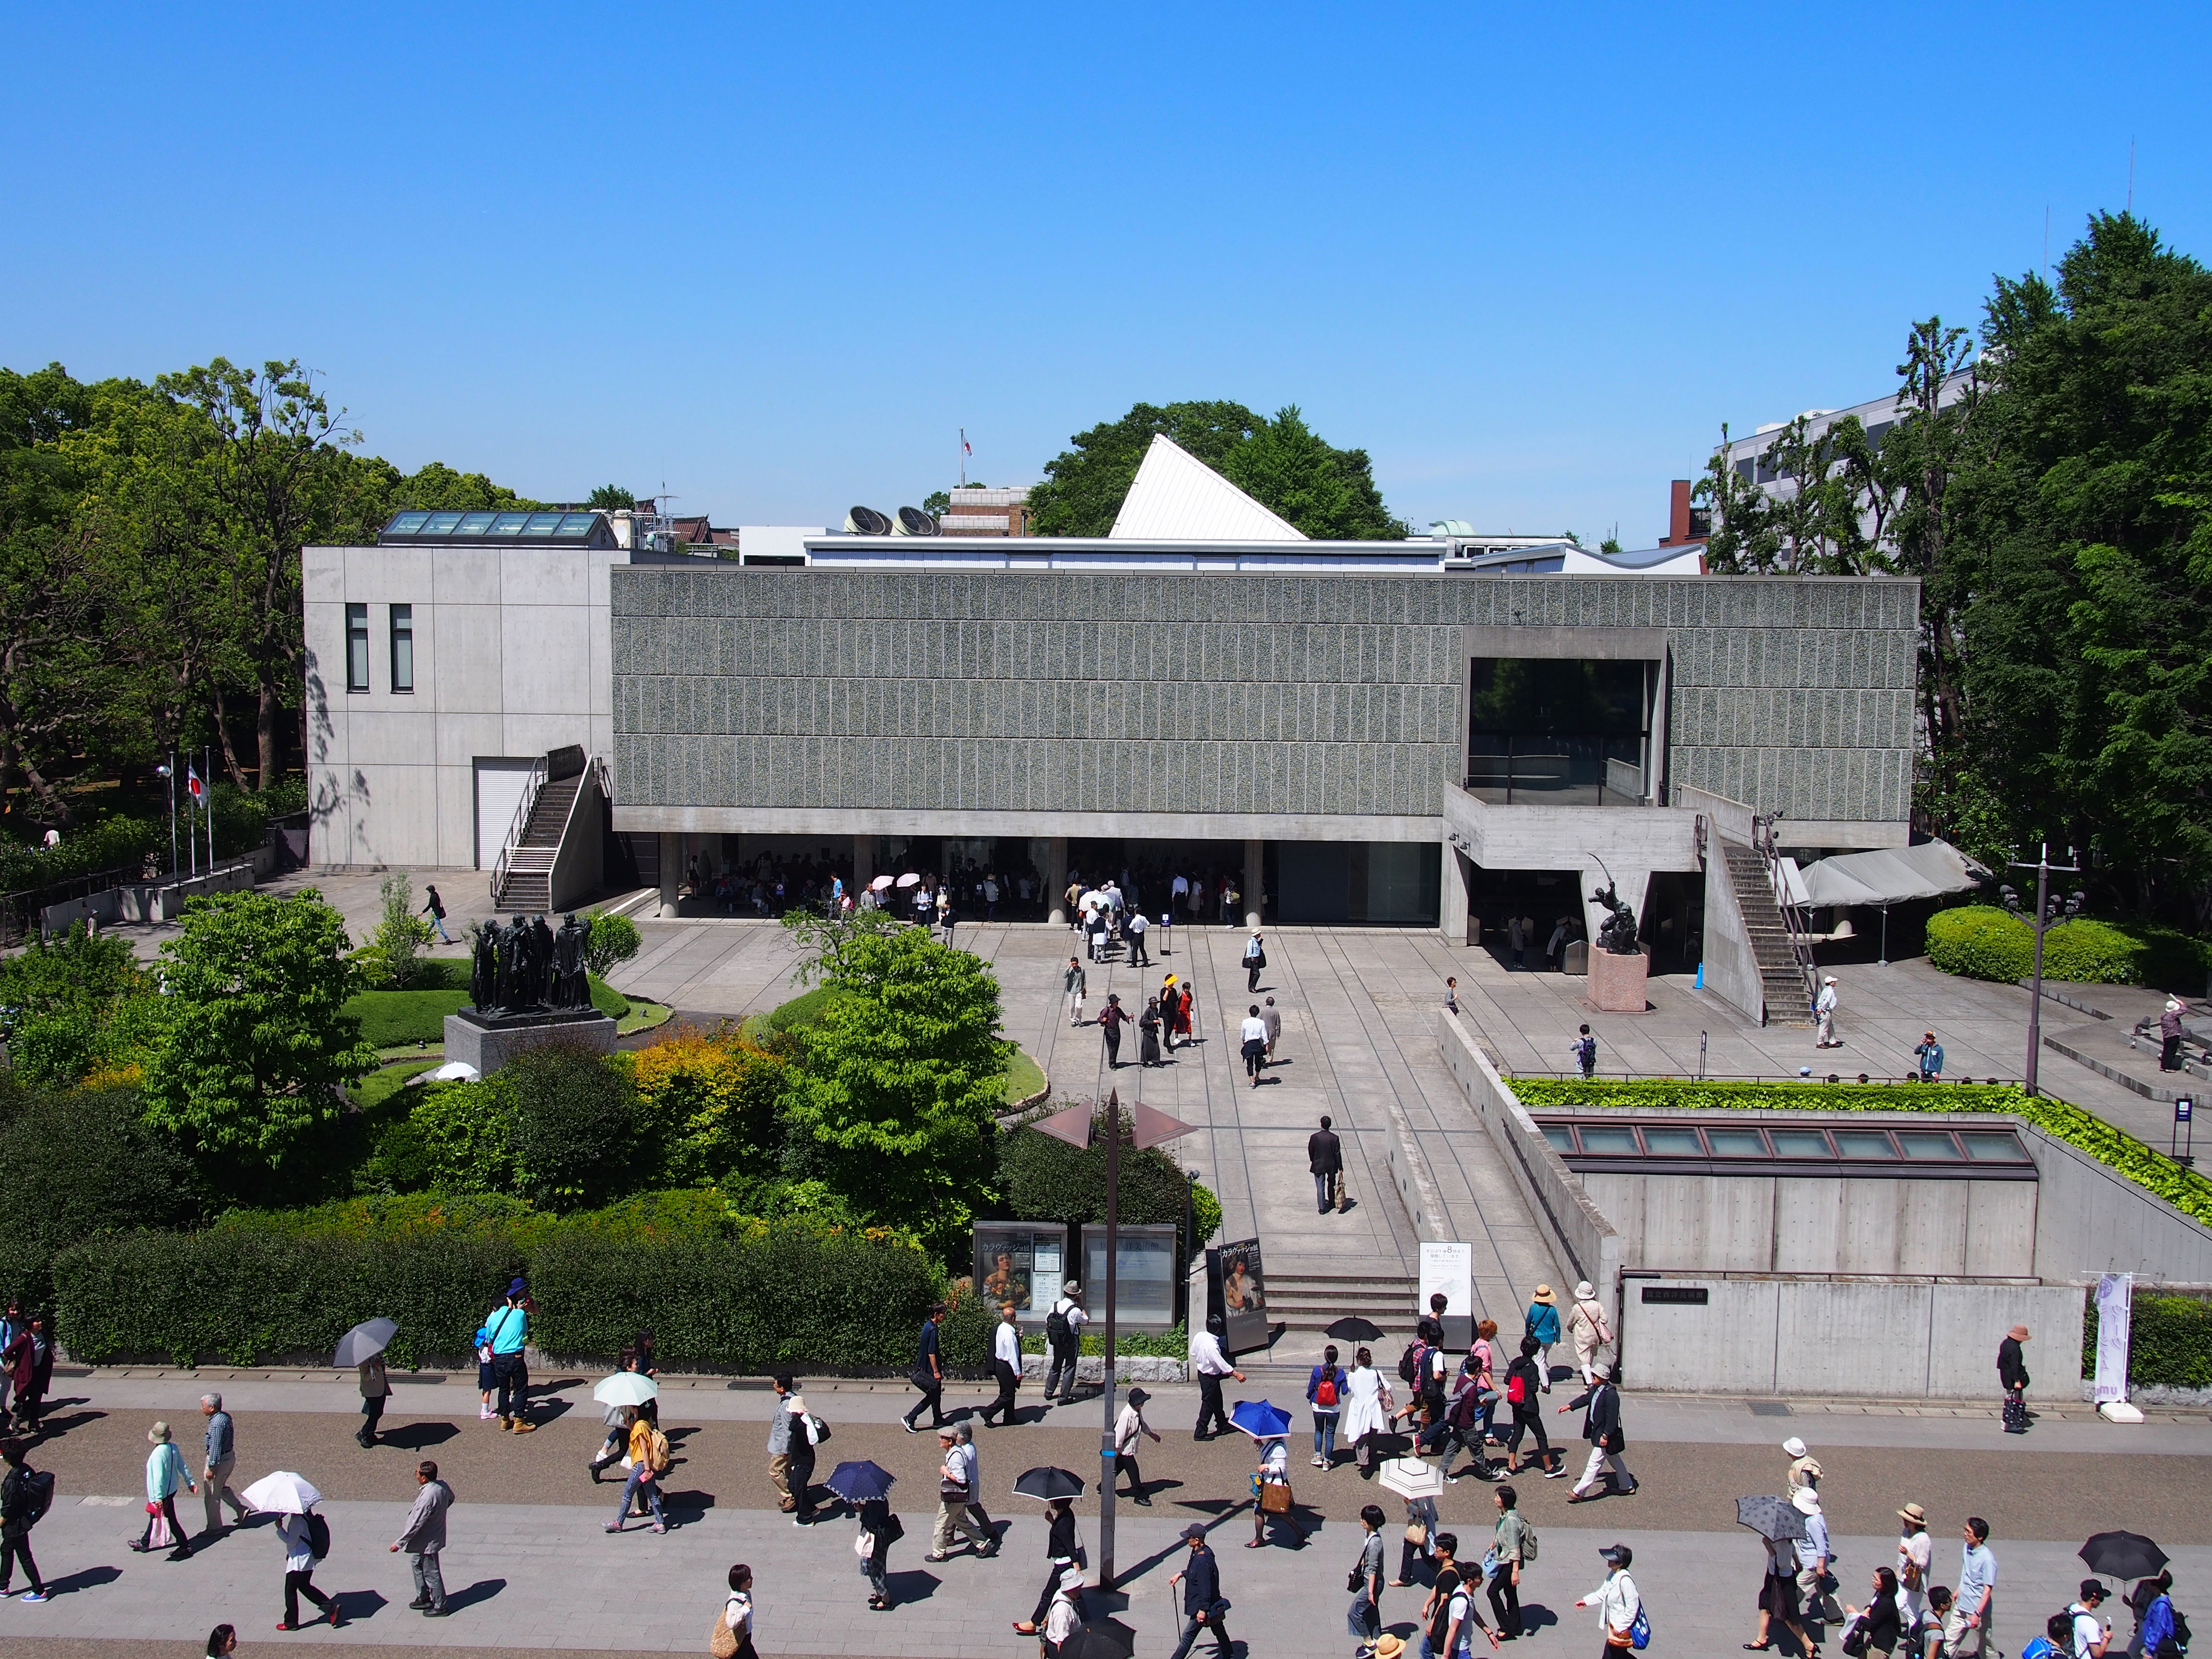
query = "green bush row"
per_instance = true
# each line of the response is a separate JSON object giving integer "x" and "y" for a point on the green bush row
{"x": 254, "y": 1290}
{"x": 1981, "y": 941}
{"x": 2184, "y": 1188}
{"x": 2169, "y": 1341}
{"x": 96, "y": 846}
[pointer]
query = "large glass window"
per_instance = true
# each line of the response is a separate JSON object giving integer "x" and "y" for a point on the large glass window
{"x": 403, "y": 648}
{"x": 1552, "y": 730}
{"x": 357, "y": 647}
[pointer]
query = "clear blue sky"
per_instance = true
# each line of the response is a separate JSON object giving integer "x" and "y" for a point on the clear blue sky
{"x": 1529, "y": 258}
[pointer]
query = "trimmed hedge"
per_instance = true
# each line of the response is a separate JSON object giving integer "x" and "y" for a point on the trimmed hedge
{"x": 717, "y": 1293}
{"x": 1981, "y": 941}
{"x": 2169, "y": 1341}
{"x": 2186, "y": 1189}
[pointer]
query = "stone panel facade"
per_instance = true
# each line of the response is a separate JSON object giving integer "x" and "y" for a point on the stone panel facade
{"x": 1217, "y": 693}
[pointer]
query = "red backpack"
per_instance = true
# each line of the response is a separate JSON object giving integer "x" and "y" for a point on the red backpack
{"x": 1517, "y": 1389}
{"x": 1325, "y": 1390}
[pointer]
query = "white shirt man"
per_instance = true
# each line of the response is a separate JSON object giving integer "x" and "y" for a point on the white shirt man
{"x": 2092, "y": 1635}
{"x": 1006, "y": 1345}
{"x": 1180, "y": 888}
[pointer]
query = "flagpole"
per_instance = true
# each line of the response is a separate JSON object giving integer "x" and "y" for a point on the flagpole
{"x": 963, "y": 458}
{"x": 209, "y": 775}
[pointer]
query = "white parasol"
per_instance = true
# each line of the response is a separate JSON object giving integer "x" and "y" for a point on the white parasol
{"x": 879, "y": 883}
{"x": 281, "y": 1493}
{"x": 1412, "y": 1477}
{"x": 626, "y": 1388}
{"x": 910, "y": 879}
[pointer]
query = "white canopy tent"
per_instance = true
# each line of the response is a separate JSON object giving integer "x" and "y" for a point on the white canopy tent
{"x": 1884, "y": 876}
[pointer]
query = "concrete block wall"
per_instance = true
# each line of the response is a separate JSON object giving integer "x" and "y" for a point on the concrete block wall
{"x": 2094, "y": 1220}
{"x": 1731, "y": 969}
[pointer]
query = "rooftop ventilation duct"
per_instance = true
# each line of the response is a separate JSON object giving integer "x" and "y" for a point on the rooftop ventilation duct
{"x": 866, "y": 521}
{"x": 913, "y": 521}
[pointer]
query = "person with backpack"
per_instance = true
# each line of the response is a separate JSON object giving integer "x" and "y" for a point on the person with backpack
{"x": 1521, "y": 1387}
{"x": 1453, "y": 1615}
{"x": 306, "y": 1540}
{"x": 1619, "y": 1608}
{"x": 1063, "y": 1336}
{"x": 2164, "y": 1632}
{"x": 25, "y": 1496}
{"x": 1514, "y": 1545}
{"x": 1585, "y": 1052}
{"x": 1462, "y": 1428}
{"x": 1588, "y": 1330}
{"x": 423, "y": 1538}
{"x": 1325, "y": 1395}
{"x": 2056, "y": 1641}
{"x": 648, "y": 1461}
{"x": 1543, "y": 1324}
{"x": 507, "y": 1330}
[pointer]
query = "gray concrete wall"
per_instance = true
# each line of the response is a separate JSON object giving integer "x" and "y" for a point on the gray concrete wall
{"x": 513, "y": 658}
{"x": 1731, "y": 970}
{"x": 580, "y": 869}
{"x": 1628, "y": 843}
{"x": 848, "y": 693}
{"x": 1896, "y": 1338}
{"x": 1791, "y": 1224}
{"x": 2095, "y": 1220}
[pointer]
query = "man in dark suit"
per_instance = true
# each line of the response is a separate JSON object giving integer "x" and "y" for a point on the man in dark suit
{"x": 1325, "y": 1156}
{"x": 1601, "y": 1406}
{"x": 1203, "y": 1606}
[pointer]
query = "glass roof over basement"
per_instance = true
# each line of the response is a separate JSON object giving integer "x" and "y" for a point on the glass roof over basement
{"x": 415, "y": 528}
{"x": 1611, "y": 1146}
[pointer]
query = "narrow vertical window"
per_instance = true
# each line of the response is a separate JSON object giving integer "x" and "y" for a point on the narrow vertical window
{"x": 403, "y": 648}
{"x": 357, "y": 647}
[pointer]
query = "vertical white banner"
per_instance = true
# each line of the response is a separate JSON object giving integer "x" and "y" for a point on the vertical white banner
{"x": 2115, "y": 1317}
{"x": 1450, "y": 1268}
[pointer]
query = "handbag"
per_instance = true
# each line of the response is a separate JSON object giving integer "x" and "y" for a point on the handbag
{"x": 864, "y": 1545}
{"x": 1417, "y": 1534}
{"x": 157, "y": 1537}
{"x": 1275, "y": 1498}
{"x": 1855, "y": 1639}
{"x": 722, "y": 1641}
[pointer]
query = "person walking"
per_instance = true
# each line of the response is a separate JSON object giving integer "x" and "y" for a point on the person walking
{"x": 800, "y": 1470}
{"x": 1779, "y": 1601}
{"x": 2012, "y": 1372}
{"x": 1368, "y": 1409}
{"x": 1929, "y": 1054}
{"x": 1451, "y": 996}
{"x": 1059, "y": 1548}
{"x": 1363, "y": 1618}
{"x": 1617, "y": 1602}
{"x": 959, "y": 1498}
{"x": 2169, "y": 1035}
{"x": 733, "y": 1633}
{"x": 1483, "y": 1356}
{"x": 165, "y": 1472}
{"x": 1325, "y": 1159}
{"x": 1521, "y": 1388}
{"x": 1418, "y": 1543}
{"x": 928, "y": 1374}
{"x": 2157, "y": 1637}
{"x": 1111, "y": 1018}
{"x": 1273, "y": 1470}
{"x": 1273, "y": 1017}
{"x": 1148, "y": 1034}
{"x": 1210, "y": 1365}
{"x": 648, "y": 1461}
{"x": 28, "y": 1359}
{"x": 1006, "y": 1366}
{"x": 423, "y": 1538}
{"x": 1967, "y": 1629}
{"x": 1453, "y": 1613}
{"x": 879, "y": 1530}
{"x": 616, "y": 1420}
{"x": 1881, "y": 1623}
{"x": 1824, "y": 1010}
{"x": 295, "y": 1533}
{"x": 1543, "y": 1323}
{"x": 11, "y": 1326}
{"x": 375, "y": 1390}
{"x": 1129, "y": 1428}
{"x": 1063, "y": 1336}
{"x": 1252, "y": 1035}
{"x": 1601, "y": 1405}
{"x": 22, "y": 1494}
{"x": 509, "y": 1326}
{"x": 1186, "y": 1013}
{"x": 1588, "y": 1330}
{"x": 782, "y": 1425}
{"x": 1915, "y": 1551}
{"x": 1514, "y": 940}
{"x": 1585, "y": 1053}
{"x": 1256, "y": 958}
{"x": 1135, "y": 928}
{"x": 1204, "y": 1607}
{"x": 1325, "y": 1395}
{"x": 1804, "y": 1467}
{"x": 1814, "y": 1555}
{"x": 221, "y": 1457}
{"x": 435, "y": 907}
{"x": 1508, "y": 1547}
{"x": 2089, "y": 1636}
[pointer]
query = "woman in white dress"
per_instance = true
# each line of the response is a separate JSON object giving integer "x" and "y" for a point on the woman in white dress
{"x": 1367, "y": 1410}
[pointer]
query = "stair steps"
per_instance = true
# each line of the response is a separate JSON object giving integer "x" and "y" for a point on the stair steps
{"x": 529, "y": 884}
{"x": 1781, "y": 979}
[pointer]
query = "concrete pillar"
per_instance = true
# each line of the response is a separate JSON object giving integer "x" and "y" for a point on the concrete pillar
{"x": 672, "y": 871}
{"x": 1255, "y": 871}
{"x": 864, "y": 864}
{"x": 1452, "y": 908}
{"x": 1055, "y": 880}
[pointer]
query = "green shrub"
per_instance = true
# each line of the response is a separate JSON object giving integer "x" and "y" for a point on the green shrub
{"x": 2169, "y": 1341}
{"x": 2148, "y": 1168}
{"x": 963, "y": 1335}
{"x": 1045, "y": 1179}
{"x": 112, "y": 844}
{"x": 613, "y": 939}
{"x": 1981, "y": 941}
{"x": 78, "y": 1004}
{"x": 574, "y": 1125}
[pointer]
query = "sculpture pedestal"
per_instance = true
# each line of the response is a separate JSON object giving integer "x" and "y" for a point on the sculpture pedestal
{"x": 488, "y": 1041}
{"x": 1617, "y": 983}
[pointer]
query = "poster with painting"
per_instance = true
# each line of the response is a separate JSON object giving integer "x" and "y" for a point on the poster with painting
{"x": 1238, "y": 1288}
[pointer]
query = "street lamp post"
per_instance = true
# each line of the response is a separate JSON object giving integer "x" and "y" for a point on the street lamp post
{"x": 2049, "y": 912}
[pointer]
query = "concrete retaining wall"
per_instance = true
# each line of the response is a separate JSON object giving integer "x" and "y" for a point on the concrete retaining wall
{"x": 1896, "y": 1338}
{"x": 2094, "y": 1220}
{"x": 152, "y": 901}
{"x": 1731, "y": 970}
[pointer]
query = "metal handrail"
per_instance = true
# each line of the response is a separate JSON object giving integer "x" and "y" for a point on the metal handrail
{"x": 516, "y": 827}
{"x": 1792, "y": 917}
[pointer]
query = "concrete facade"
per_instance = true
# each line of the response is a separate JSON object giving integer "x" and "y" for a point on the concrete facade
{"x": 512, "y": 657}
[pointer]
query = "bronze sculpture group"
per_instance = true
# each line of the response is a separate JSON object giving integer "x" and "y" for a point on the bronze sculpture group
{"x": 525, "y": 967}
{"x": 1617, "y": 932}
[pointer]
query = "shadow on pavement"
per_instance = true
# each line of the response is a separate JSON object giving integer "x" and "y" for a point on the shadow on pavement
{"x": 415, "y": 1437}
{"x": 88, "y": 1578}
{"x": 913, "y": 1585}
{"x": 360, "y": 1604}
{"x": 483, "y": 1590}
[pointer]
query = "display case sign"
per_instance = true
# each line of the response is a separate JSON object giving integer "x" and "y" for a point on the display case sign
{"x": 1144, "y": 1276}
{"x": 1237, "y": 1288}
{"x": 1023, "y": 1263}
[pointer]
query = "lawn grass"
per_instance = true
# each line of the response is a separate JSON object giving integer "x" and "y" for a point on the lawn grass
{"x": 380, "y": 1086}
{"x": 395, "y": 1019}
{"x": 1024, "y": 1078}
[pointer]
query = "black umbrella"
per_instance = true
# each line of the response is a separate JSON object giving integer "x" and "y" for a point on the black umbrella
{"x": 2124, "y": 1555}
{"x": 1107, "y": 1639}
{"x": 363, "y": 1343}
{"x": 1353, "y": 1328}
{"x": 861, "y": 1483}
{"x": 1048, "y": 1482}
{"x": 1770, "y": 1517}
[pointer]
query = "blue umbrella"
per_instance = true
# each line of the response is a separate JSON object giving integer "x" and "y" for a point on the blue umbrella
{"x": 861, "y": 1483}
{"x": 1260, "y": 1420}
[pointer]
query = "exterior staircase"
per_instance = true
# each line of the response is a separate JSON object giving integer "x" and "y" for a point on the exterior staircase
{"x": 1783, "y": 964}
{"x": 1303, "y": 1303}
{"x": 527, "y": 880}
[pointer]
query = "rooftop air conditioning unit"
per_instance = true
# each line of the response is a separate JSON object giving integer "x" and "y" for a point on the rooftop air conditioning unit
{"x": 913, "y": 521}
{"x": 866, "y": 521}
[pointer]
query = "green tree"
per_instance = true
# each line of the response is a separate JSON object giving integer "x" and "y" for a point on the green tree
{"x": 1329, "y": 494}
{"x": 574, "y": 1120}
{"x": 612, "y": 939}
{"x": 75, "y": 1004}
{"x": 612, "y": 498}
{"x": 1084, "y": 487}
{"x": 893, "y": 1096}
{"x": 936, "y": 503}
{"x": 392, "y": 960}
{"x": 255, "y": 1049}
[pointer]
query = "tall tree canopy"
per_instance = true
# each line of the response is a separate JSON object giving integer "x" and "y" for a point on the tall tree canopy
{"x": 1328, "y": 493}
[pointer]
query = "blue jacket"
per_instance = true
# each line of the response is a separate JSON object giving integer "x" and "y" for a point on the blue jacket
{"x": 1313, "y": 1383}
{"x": 2158, "y": 1624}
{"x": 1543, "y": 1322}
{"x": 1201, "y": 1581}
